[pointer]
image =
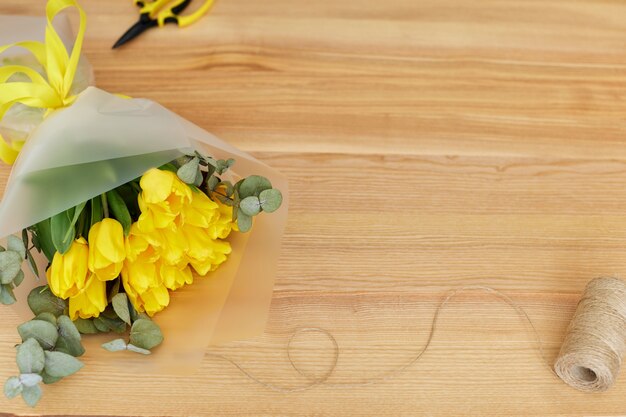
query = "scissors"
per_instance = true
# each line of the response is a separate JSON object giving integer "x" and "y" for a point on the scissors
{"x": 158, "y": 13}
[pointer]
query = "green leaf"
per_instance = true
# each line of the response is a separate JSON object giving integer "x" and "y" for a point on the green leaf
{"x": 44, "y": 332}
{"x": 31, "y": 395}
{"x": 116, "y": 345}
{"x": 85, "y": 326}
{"x": 71, "y": 231}
{"x": 109, "y": 324}
{"x": 13, "y": 387}
{"x": 101, "y": 325}
{"x": 145, "y": 334}
{"x": 115, "y": 289}
{"x": 25, "y": 238}
{"x": 250, "y": 206}
{"x": 32, "y": 264}
{"x": 188, "y": 172}
{"x": 212, "y": 182}
{"x": 41, "y": 300}
{"x": 60, "y": 365}
{"x": 271, "y": 200}
{"x": 30, "y": 380}
{"x": 253, "y": 185}
{"x": 244, "y": 222}
{"x": 10, "y": 265}
{"x": 19, "y": 278}
{"x": 69, "y": 338}
{"x": 136, "y": 349}
{"x": 7, "y": 297}
{"x": 49, "y": 317}
{"x": 199, "y": 179}
{"x": 30, "y": 357}
{"x": 16, "y": 244}
{"x": 120, "y": 305}
{"x": 96, "y": 210}
{"x": 60, "y": 224}
{"x": 47, "y": 379}
{"x": 119, "y": 209}
{"x": 44, "y": 237}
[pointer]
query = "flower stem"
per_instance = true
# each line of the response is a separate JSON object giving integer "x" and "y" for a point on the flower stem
{"x": 105, "y": 205}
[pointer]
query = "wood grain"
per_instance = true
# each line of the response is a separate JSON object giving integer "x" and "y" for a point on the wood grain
{"x": 429, "y": 145}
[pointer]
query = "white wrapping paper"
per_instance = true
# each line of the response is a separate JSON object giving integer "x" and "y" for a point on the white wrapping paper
{"x": 102, "y": 141}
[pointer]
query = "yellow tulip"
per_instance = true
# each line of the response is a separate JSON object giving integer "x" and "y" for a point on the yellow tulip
{"x": 144, "y": 286}
{"x": 155, "y": 300}
{"x": 106, "y": 249}
{"x": 162, "y": 199}
{"x": 174, "y": 277}
{"x": 221, "y": 227}
{"x": 91, "y": 301}
{"x": 67, "y": 274}
{"x": 204, "y": 254}
{"x": 142, "y": 245}
{"x": 201, "y": 211}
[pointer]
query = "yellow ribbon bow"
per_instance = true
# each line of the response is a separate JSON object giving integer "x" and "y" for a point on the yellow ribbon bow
{"x": 50, "y": 92}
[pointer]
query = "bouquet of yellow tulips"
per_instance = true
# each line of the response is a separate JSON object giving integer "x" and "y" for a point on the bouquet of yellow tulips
{"x": 121, "y": 203}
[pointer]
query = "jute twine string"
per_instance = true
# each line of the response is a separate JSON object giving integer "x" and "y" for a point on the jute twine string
{"x": 591, "y": 355}
{"x": 589, "y": 359}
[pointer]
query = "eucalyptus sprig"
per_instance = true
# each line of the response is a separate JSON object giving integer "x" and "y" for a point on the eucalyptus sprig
{"x": 11, "y": 274}
{"x": 48, "y": 352}
{"x": 248, "y": 197}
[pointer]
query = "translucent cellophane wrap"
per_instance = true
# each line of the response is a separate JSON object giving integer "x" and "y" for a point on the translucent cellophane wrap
{"x": 102, "y": 141}
{"x": 20, "y": 120}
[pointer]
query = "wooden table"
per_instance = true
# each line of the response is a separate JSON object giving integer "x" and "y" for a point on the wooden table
{"x": 429, "y": 145}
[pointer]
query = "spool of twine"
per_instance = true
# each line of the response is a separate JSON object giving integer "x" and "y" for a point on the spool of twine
{"x": 591, "y": 355}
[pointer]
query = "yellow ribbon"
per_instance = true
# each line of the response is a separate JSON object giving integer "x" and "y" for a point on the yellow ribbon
{"x": 49, "y": 92}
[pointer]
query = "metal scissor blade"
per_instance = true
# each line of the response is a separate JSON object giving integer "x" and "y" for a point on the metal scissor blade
{"x": 134, "y": 31}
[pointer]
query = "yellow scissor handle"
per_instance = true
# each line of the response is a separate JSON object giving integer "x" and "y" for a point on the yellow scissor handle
{"x": 161, "y": 10}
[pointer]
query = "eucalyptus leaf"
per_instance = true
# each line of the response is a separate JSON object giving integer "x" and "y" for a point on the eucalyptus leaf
{"x": 116, "y": 345}
{"x": 60, "y": 225}
{"x": 19, "y": 278}
{"x": 30, "y": 357}
{"x": 30, "y": 380}
{"x": 250, "y": 206}
{"x": 7, "y": 297}
{"x": 10, "y": 265}
{"x": 244, "y": 222}
{"x": 85, "y": 326}
{"x": 101, "y": 325}
{"x": 31, "y": 395}
{"x": 16, "y": 244}
{"x": 188, "y": 172}
{"x": 13, "y": 387}
{"x": 136, "y": 349}
{"x": 145, "y": 334}
{"x": 44, "y": 332}
{"x": 212, "y": 182}
{"x": 253, "y": 185}
{"x": 271, "y": 200}
{"x": 199, "y": 179}
{"x": 49, "y": 317}
{"x": 47, "y": 379}
{"x": 120, "y": 305}
{"x": 69, "y": 338}
{"x": 41, "y": 300}
{"x": 119, "y": 210}
{"x": 60, "y": 365}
